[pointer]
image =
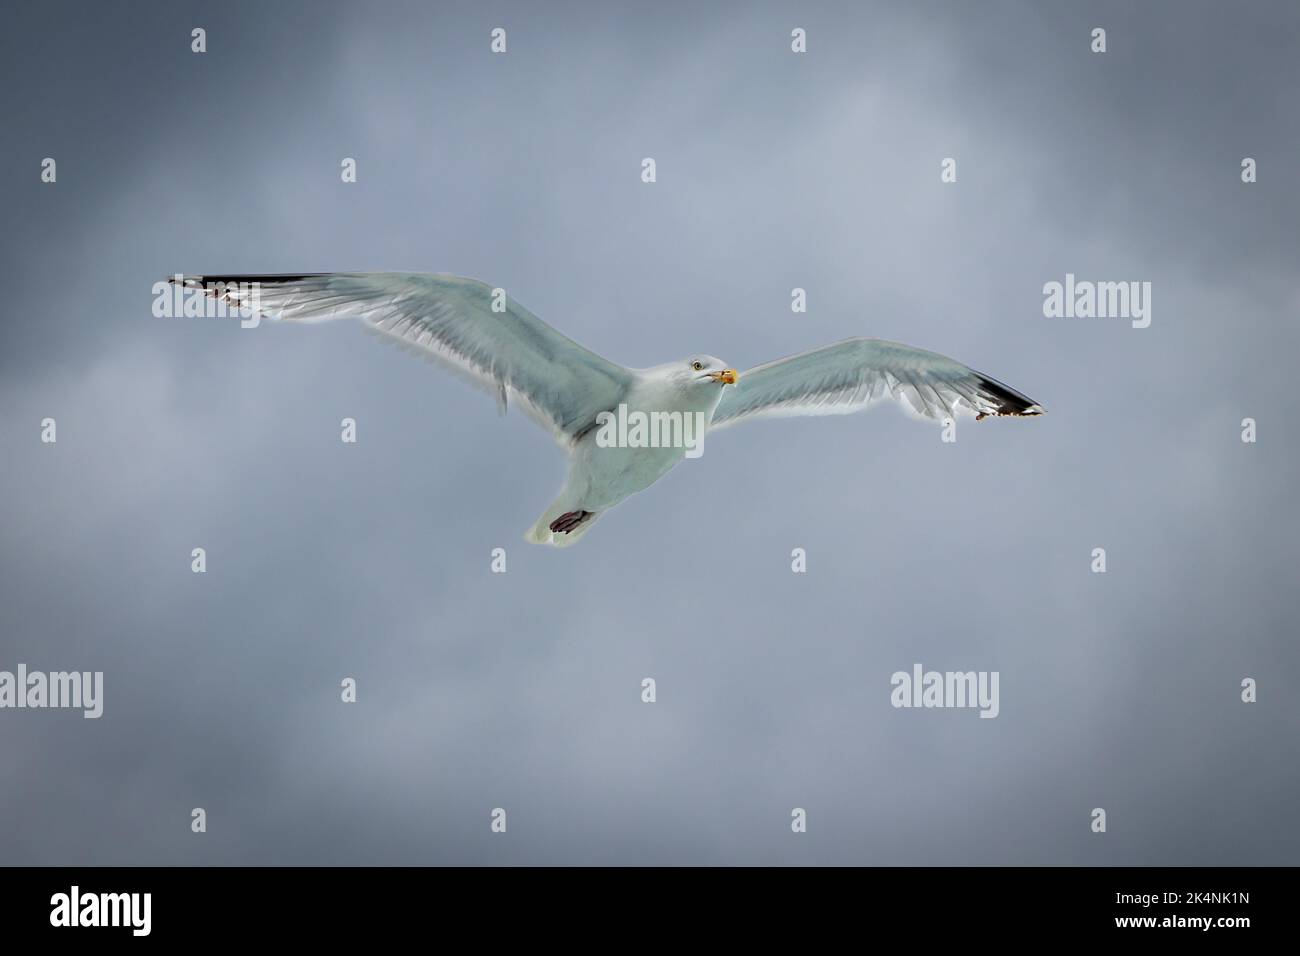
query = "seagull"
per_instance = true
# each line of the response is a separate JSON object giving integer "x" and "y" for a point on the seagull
{"x": 476, "y": 330}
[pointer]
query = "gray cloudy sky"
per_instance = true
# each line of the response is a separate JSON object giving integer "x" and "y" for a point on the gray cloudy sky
{"x": 522, "y": 690}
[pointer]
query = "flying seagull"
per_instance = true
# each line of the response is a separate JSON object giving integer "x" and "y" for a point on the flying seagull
{"x": 587, "y": 401}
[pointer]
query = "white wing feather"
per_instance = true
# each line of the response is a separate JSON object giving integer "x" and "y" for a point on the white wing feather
{"x": 450, "y": 319}
{"x": 850, "y": 375}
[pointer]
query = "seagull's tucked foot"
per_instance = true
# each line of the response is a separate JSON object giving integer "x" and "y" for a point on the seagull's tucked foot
{"x": 569, "y": 520}
{"x": 562, "y": 525}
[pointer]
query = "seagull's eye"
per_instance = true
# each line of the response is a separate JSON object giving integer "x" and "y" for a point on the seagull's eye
{"x": 698, "y": 366}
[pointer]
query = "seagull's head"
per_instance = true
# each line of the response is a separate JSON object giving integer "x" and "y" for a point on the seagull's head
{"x": 702, "y": 373}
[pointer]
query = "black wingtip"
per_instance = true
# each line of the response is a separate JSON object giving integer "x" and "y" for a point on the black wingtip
{"x": 1007, "y": 401}
{"x": 264, "y": 279}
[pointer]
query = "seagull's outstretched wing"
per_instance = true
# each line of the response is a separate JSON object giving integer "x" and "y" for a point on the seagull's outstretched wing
{"x": 448, "y": 318}
{"x": 850, "y": 375}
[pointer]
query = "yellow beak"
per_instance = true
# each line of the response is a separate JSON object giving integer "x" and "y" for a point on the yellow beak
{"x": 727, "y": 376}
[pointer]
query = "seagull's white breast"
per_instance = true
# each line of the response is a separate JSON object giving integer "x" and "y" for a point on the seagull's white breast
{"x": 609, "y": 473}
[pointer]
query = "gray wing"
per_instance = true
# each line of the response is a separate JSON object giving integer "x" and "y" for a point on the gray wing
{"x": 850, "y": 375}
{"x": 450, "y": 319}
